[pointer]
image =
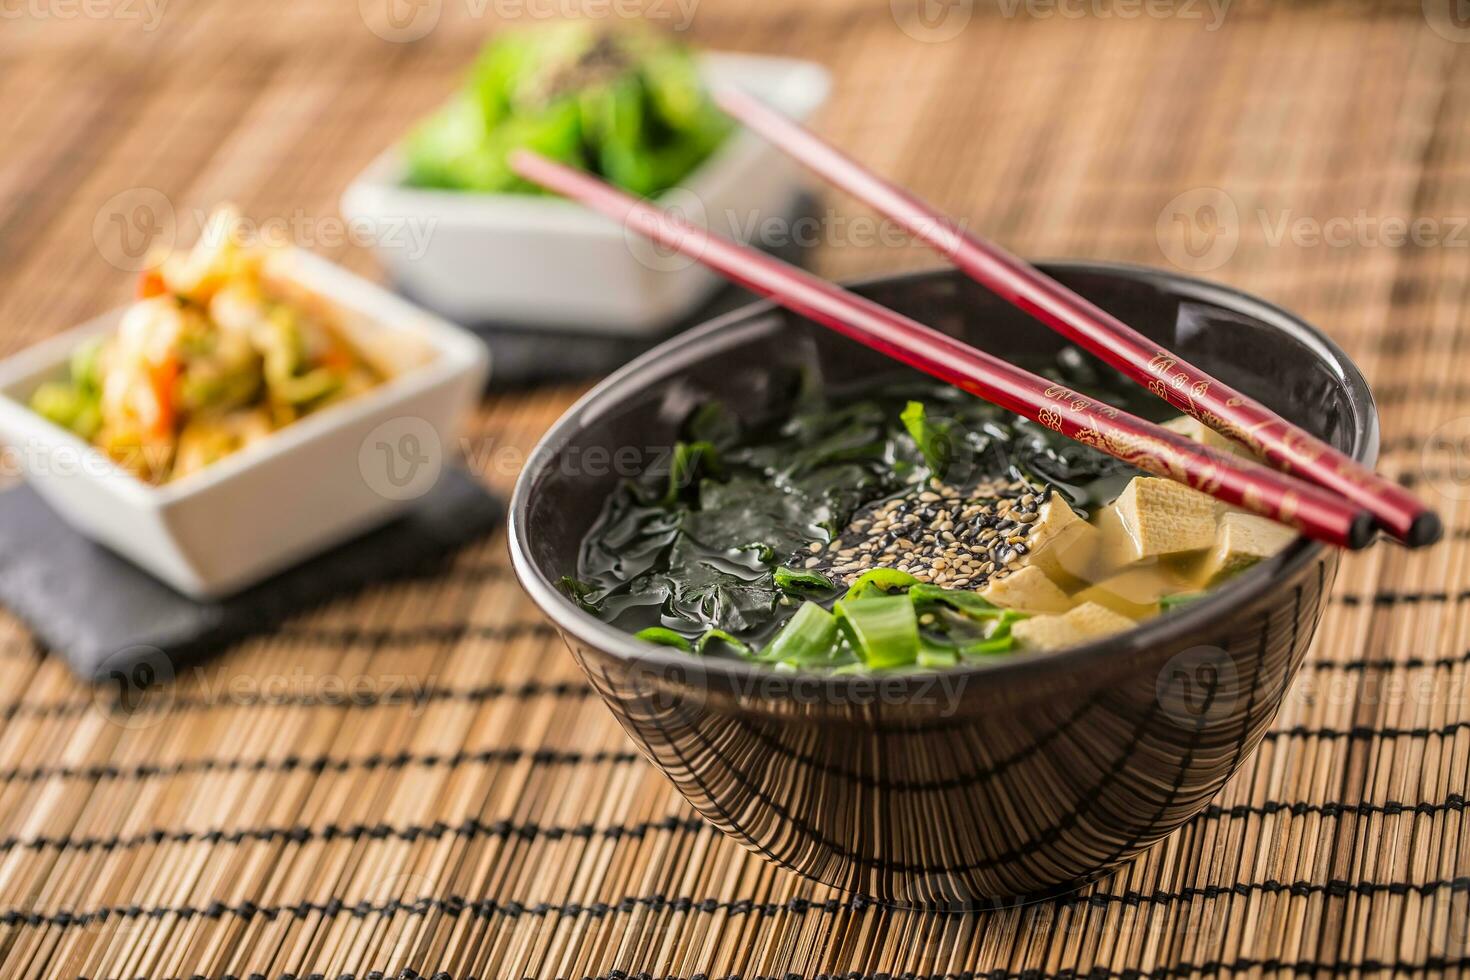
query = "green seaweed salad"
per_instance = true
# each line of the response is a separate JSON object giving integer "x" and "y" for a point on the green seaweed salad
{"x": 627, "y": 104}
{"x": 708, "y": 553}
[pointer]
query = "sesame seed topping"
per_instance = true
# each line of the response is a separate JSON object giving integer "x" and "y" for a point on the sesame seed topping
{"x": 958, "y": 538}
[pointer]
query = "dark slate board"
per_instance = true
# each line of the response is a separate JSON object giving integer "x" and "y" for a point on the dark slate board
{"x": 105, "y": 616}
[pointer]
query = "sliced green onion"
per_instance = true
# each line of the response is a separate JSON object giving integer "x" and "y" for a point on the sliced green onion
{"x": 797, "y": 580}
{"x": 713, "y": 635}
{"x": 970, "y": 603}
{"x": 664, "y": 637}
{"x": 996, "y": 644}
{"x": 1005, "y": 619}
{"x": 884, "y": 630}
{"x": 853, "y": 668}
{"x": 935, "y": 656}
{"x": 808, "y": 637}
{"x": 878, "y": 582}
{"x": 1178, "y": 599}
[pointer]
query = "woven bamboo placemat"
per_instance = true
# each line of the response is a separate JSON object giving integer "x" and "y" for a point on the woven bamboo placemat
{"x": 417, "y": 780}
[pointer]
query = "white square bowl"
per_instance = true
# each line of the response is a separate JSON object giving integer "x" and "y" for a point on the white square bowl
{"x": 545, "y": 261}
{"x": 315, "y": 483}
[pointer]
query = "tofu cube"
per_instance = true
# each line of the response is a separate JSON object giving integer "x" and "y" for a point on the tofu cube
{"x": 1115, "y": 546}
{"x": 1088, "y": 621}
{"x": 1045, "y": 633}
{"x": 1240, "y": 541}
{"x": 1062, "y": 545}
{"x": 1092, "y": 621}
{"x": 1135, "y": 592}
{"x": 1027, "y": 589}
{"x": 1162, "y": 517}
{"x": 1196, "y": 431}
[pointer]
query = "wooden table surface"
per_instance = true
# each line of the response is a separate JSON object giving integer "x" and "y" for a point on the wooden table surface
{"x": 480, "y": 815}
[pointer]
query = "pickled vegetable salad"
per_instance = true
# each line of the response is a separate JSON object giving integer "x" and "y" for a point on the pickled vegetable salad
{"x": 213, "y": 357}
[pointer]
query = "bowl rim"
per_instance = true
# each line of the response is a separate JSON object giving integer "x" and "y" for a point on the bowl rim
{"x": 738, "y": 675}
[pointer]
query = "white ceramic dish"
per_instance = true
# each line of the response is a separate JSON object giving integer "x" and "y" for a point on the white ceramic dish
{"x": 520, "y": 259}
{"x": 313, "y": 484}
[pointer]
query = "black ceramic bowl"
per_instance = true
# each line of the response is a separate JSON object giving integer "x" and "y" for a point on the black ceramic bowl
{"x": 982, "y": 784}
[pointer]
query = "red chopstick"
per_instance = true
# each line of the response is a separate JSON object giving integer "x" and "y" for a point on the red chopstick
{"x": 1163, "y": 372}
{"x": 1311, "y": 509}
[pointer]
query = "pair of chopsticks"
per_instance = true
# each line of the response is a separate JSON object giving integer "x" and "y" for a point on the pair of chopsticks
{"x": 1341, "y": 505}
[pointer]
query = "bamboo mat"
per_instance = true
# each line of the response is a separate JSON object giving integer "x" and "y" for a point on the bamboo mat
{"x": 416, "y": 781}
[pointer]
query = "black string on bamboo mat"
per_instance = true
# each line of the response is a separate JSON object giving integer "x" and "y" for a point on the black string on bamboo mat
{"x": 320, "y": 764}
{"x": 411, "y": 696}
{"x": 538, "y": 757}
{"x": 472, "y": 828}
{"x": 408, "y": 695}
{"x": 455, "y": 906}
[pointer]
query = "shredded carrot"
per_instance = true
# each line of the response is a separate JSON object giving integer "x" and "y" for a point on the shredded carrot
{"x": 150, "y": 284}
{"x": 338, "y": 358}
{"x": 162, "y": 378}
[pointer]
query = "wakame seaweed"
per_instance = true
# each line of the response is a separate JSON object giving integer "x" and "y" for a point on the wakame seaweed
{"x": 711, "y": 547}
